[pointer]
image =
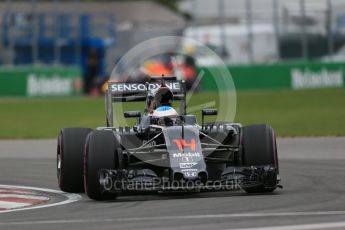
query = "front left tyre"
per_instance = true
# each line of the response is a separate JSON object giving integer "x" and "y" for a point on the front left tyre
{"x": 102, "y": 151}
{"x": 70, "y": 155}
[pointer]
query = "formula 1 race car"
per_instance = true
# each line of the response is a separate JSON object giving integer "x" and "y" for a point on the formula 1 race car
{"x": 165, "y": 151}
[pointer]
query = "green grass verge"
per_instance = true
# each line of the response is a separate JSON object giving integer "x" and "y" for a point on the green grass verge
{"x": 296, "y": 113}
{"x": 292, "y": 113}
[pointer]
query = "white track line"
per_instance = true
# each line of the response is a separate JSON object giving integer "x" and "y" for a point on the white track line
{"x": 18, "y": 191}
{"x": 327, "y": 226}
{"x": 71, "y": 197}
{"x": 158, "y": 218}
{"x": 35, "y": 197}
{"x": 10, "y": 205}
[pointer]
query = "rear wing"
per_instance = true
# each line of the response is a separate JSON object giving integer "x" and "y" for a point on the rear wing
{"x": 131, "y": 92}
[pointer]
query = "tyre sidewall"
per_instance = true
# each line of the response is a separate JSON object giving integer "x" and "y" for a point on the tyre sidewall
{"x": 100, "y": 153}
{"x": 71, "y": 142}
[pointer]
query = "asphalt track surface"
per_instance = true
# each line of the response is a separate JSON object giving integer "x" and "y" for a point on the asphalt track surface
{"x": 313, "y": 197}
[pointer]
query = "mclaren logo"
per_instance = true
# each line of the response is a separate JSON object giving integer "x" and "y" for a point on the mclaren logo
{"x": 189, "y": 154}
{"x": 187, "y": 165}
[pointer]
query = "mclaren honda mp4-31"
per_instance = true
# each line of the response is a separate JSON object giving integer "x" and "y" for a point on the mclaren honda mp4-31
{"x": 165, "y": 151}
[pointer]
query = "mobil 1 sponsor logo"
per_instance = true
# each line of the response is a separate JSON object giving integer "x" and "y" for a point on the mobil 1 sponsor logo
{"x": 188, "y": 154}
{"x": 187, "y": 157}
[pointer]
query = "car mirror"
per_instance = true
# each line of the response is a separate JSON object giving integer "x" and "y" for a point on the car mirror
{"x": 208, "y": 112}
{"x": 132, "y": 114}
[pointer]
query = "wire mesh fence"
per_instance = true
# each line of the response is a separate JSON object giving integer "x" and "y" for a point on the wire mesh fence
{"x": 249, "y": 31}
{"x": 270, "y": 30}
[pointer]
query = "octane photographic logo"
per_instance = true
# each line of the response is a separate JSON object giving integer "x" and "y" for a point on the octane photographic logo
{"x": 165, "y": 184}
{"x": 131, "y": 69}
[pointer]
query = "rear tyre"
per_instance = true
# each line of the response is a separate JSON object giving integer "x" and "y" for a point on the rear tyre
{"x": 102, "y": 152}
{"x": 70, "y": 154}
{"x": 259, "y": 149}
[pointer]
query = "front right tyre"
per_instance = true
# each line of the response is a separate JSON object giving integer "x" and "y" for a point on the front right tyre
{"x": 260, "y": 149}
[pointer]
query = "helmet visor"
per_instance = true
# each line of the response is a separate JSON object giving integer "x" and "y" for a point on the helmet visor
{"x": 164, "y": 97}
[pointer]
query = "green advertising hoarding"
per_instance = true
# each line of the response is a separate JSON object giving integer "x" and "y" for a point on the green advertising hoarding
{"x": 63, "y": 81}
{"x": 38, "y": 82}
{"x": 303, "y": 75}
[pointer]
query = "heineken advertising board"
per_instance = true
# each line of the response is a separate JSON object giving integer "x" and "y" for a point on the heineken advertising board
{"x": 38, "y": 82}
{"x": 303, "y": 75}
{"x": 323, "y": 78}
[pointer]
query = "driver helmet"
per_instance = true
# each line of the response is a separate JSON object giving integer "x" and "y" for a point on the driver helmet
{"x": 159, "y": 97}
{"x": 164, "y": 111}
{"x": 163, "y": 97}
{"x": 165, "y": 116}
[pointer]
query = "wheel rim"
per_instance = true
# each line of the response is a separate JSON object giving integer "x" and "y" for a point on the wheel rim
{"x": 59, "y": 164}
{"x": 59, "y": 159}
